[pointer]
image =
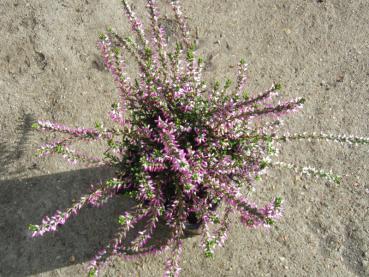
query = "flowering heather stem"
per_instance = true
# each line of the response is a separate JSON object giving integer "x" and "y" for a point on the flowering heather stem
{"x": 171, "y": 148}
{"x": 235, "y": 198}
{"x": 172, "y": 268}
{"x": 243, "y": 112}
{"x": 158, "y": 35}
{"x": 309, "y": 171}
{"x": 321, "y": 136}
{"x": 242, "y": 77}
{"x": 139, "y": 57}
{"x": 115, "y": 245}
{"x": 126, "y": 253}
{"x": 113, "y": 60}
{"x": 146, "y": 235}
{"x": 182, "y": 24}
{"x": 136, "y": 24}
{"x": 51, "y": 224}
{"x": 52, "y": 147}
{"x": 70, "y": 155}
{"x": 275, "y": 111}
{"x": 221, "y": 233}
{"x": 267, "y": 95}
{"x": 86, "y": 133}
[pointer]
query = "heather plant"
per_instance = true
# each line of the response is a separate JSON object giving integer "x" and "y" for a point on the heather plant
{"x": 185, "y": 151}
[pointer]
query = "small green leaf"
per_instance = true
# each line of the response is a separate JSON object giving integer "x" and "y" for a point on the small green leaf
{"x": 109, "y": 29}
{"x": 102, "y": 36}
{"x": 269, "y": 221}
{"x": 122, "y": 220}
{"x": 148, "y": 52}
{"x": 216, "y": 200}
{"x": 195, "y": 176}
{"x": 215, "y": 219}
{"x": 245, "y": 95}
{"x": 92, "y": 272}
{"x": 149, "y": 64}
{"x": 98, "y": 125}
{"x": 178, "y": 46}
{"x": 190, "y": 55}
{"x": 114, "y": 106}
{"x": 157, "y": 153}
{"x": 263, "y": 164}
{"x": 33, "y": 228}
{"x": 187, "y": 186}
{"x": 278, "y": 86}
{"x": 129, "y": 39}
{"x": 150, "y": 194}
{"x": 132, "y": 194}
{"x": 337, "y": 179}
{"x": 278, "y": 202}
{"x": 161, "y": 210}
{"x": 35, "y": 126}
{"x": 59, "y": 149}
{"x": 301, "y": 101}
{"x": 228, "y": 83}
{"x": 209, "y": 254}
{"x": 116, "y": 51}
{"x": 192, "y": 47}
{"x": 113, "y": 182}
{"x": 111, "y": 143}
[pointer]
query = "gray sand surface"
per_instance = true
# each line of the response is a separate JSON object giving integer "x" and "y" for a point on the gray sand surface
{"x": 51, "y": 69}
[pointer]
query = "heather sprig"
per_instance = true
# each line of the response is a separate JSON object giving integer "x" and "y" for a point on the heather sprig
{"x": 96, "y": 198}
{"x": 180, "y": 148}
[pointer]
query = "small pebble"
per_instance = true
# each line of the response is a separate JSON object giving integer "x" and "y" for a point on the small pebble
{"x": 72, "y": 259}
{"x": 228, "y": 46}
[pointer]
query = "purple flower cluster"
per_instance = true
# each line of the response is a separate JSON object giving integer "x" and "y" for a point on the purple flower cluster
{"x": 180, "y": 148}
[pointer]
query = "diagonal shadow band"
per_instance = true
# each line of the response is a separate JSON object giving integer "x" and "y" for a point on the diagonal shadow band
{"x": 28, "y": 200}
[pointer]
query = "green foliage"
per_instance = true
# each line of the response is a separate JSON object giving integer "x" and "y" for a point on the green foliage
{"x": 59, "y": 149}
{"x": 227, "y": 84}
{"x": 35, "y": 126}
{"x": 33, "y": 228}
{"x": 92, "y": 273}
{"x": 215, "y": 219}
{"x": 269, "y": 221}
{"x": 278, "y": 202}
{"x": 122, "y": 220}
{"x": 278, "y": 87}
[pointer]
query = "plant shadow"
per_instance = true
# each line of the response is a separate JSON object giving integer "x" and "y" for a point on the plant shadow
{"x": 25, "y": 201}
{"x": 11, "y": 153}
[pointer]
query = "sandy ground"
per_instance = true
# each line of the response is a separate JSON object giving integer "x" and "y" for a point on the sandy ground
{"x": 50, "y": 69}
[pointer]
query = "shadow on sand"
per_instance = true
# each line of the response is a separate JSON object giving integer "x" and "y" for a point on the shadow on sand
{"x": 10, "y": 153}
{"x": 27, "y": 201}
